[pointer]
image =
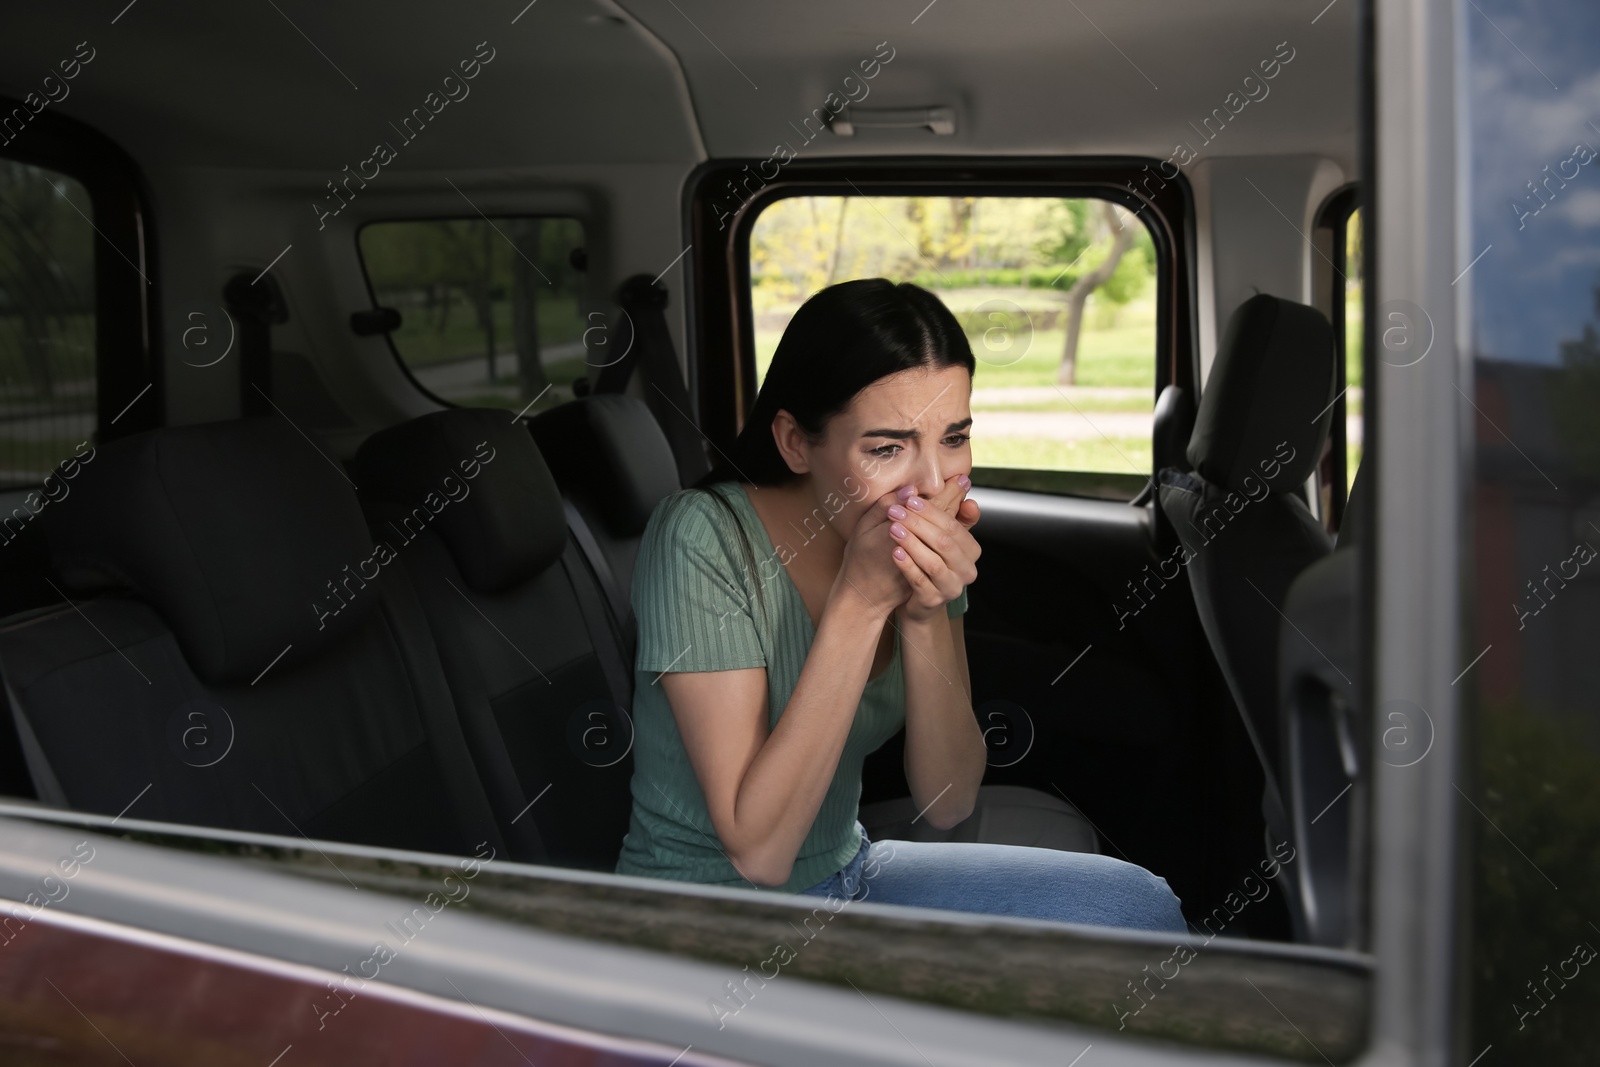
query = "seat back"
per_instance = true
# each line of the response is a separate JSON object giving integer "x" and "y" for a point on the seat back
{"x": 1326, "y": 768}
{"x": 614, "y": 465}
{"x": 529, "y": 654}
{"x": 1239, "y": 513}
{"x": 232, "y": 654}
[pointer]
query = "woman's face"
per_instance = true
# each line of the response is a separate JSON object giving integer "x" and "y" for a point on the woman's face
{"x": 909, "y": 428}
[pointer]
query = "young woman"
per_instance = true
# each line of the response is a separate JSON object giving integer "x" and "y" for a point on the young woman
{"x": 801, "y": 604}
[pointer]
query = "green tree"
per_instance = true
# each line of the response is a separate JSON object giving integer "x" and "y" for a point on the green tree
{"x": 46, "y": 274}
{"x": 525, "y": 278}
{"x": 1121, "y": 234}
{"x": 1068, "y": 231}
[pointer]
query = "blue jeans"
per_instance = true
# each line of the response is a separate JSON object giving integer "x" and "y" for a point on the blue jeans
{"x": 1030, "y": 883}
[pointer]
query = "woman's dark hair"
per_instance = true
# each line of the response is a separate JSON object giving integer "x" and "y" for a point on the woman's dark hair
{"x": 840, "y": 341}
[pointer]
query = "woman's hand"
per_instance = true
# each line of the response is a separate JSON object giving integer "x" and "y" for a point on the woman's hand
{"x": 868, "y": 571}
{"x": 934, "y": 548}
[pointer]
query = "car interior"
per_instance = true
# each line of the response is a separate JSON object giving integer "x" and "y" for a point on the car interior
{"x": 344, "y": 366}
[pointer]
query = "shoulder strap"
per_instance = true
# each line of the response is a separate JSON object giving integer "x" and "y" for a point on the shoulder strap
{"x": 615, "y": 597}
{"x": 257, "y": 304}
{"x": 601, "y": 636}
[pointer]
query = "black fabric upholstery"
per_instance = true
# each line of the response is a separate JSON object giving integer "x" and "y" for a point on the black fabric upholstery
{"x": 1243, "y": 554}
{"x": 1320, "y": 666}
{"x": 1245, "y": 530}
{"x": 242, "y": 535}
{"x": 356, "y": 740}
{"x": 524, "y": 659}
{"x": 614, "y": 464}
{"x": 1173, "y": 422}
{"x": 339, "y": 749}
{"x": 1269, "y": 389}
{"x": 608, "y": 451}
{"x": 474, "y": 477}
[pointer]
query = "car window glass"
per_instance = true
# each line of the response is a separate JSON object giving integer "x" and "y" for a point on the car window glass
{"x": 489, "y": 308}
{"x": 47, "y": 321}
{"x": 1057, "y": 297}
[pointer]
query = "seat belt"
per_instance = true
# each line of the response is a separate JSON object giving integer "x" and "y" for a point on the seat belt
{"x": 618, "y": 678}
{"x": 257, "y": 303}
{"x": 644, "y": 304}
{"x": 616, "y": 599}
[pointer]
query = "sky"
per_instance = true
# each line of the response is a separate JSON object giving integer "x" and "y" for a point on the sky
{"x": 1533, "y": 85}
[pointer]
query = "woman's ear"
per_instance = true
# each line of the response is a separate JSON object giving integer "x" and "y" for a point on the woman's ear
{"x": 793, "y": 442}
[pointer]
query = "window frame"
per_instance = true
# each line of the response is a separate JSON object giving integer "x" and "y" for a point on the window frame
{"x": 722, "y": 370}
{"x": 125, "y": 234}
{"x": 372, "y": 293}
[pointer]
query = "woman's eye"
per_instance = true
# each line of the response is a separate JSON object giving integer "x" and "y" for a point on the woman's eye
{"x": 956, "y": 440}
{"x": 886, "y": 451}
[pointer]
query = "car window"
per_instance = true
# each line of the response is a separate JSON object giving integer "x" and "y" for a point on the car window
{"x": 1057, "y": 297}
{"x": 489, "y": 308}
{"x": 47, "y": 321}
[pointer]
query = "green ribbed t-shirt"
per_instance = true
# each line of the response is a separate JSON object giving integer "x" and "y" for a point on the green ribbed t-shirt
{"x": 694, "y": 596}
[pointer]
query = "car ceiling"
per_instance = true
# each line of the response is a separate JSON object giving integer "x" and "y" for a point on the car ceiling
{"x": 294, "y": 85}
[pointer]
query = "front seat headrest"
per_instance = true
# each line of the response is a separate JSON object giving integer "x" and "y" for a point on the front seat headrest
{"x": 242, "y": 535}
{"x": 1265, "y": 409}
{"x": 608, "y": 449}
{"x": 476, "y": 477}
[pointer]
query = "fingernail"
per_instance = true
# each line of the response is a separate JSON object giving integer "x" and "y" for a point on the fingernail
{"x": 899, "y": 553}
{"x": 905, "y": 492}
{"x": 896, "y": 530}
{"x": 915, "y": 503}
{"x": 963, "y": 481}
{"x": 896, "y": 511}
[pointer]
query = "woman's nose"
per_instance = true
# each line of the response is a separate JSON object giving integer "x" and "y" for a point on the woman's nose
{"x": 929, "y": 478}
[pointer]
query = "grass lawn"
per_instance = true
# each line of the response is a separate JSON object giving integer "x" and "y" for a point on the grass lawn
{"x": 1117, "y": 348}
{"x": 1122, "y": 355}
{"x": 1117, "y": 455}
{"x": 1142, "y": 402}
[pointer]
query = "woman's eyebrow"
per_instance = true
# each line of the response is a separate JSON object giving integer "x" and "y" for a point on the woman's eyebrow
{"x": 907, "y": 435}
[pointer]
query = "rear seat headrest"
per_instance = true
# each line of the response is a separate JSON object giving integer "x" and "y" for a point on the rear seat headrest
{"x": 476, "y": 477}
{"x": 609, "y": 450}
{"x": 240, "y": 534}
{"x": 1265, "y": 409}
